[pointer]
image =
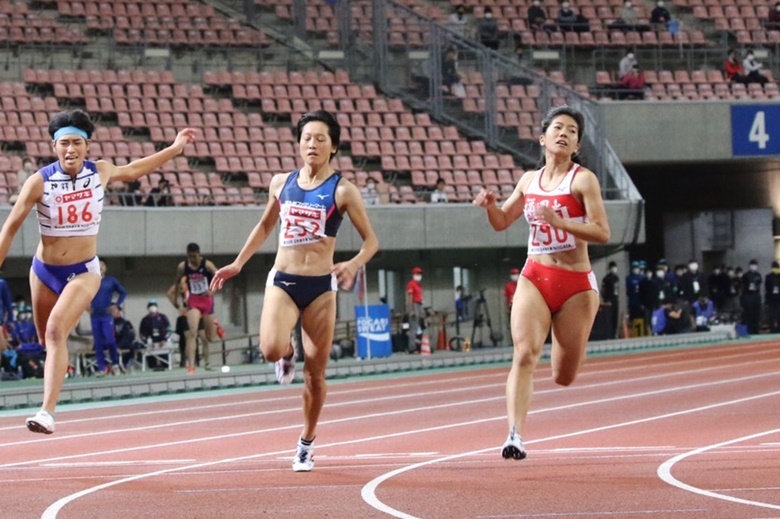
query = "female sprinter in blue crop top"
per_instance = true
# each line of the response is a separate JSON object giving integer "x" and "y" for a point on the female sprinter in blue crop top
{"x": 65, "y": 273}
{"x": 310, "y": 203}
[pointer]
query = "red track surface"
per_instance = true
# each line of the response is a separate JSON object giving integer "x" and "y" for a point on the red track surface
{"x": 426, "y": 446}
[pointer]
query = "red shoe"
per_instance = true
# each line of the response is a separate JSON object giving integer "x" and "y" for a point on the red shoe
{"x": 191, "y": 370}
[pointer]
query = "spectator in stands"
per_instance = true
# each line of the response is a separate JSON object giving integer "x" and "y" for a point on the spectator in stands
{"x": 537, "y": 18}
{"x": 369, "y": 193}
{"x": 133, "y": 196}
{"x": 628, "y": 20}
{"x": 751, "y": 297}
{"x": 451, "y": 80}
{"x": 459, "y": 21}
{"x": 633, "y": 84}
{"x": 28, "y": 168}
{"x": 660, "y": 16}
{"x": 557, "y": 287}
{"x": 160, "y": 196}
{"x": 772, "y": 297}
{"x": 311, "y": 202}
{"x": 439, "y": 195}
{"x": 65, "y": 273}
{"x": 733, "y": 69}
{"x": 752, "y": 69}
{"x": 567, "y": 17}
{"x": 772, "y": 23}
{"x": 487, "y": 29}
{"x": 627, "y": 63}
{"x": 101, "y": 316}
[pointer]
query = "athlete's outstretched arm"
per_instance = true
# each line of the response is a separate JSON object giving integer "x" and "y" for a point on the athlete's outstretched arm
{"x": 256, "y": 238}
{"x": 597, "y": 227}
{"x": 350, "y": 198}
{"x": 31, "y": 192}
{"x": 148, "y": 164}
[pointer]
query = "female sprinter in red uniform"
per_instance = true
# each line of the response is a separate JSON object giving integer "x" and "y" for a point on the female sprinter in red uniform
{"x": 563, "y": 205}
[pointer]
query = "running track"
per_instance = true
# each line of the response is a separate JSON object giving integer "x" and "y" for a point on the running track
{"x": 671, "y": 434}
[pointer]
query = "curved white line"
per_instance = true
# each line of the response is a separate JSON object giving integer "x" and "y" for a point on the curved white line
{"x": 665, "y": 472}
{"x": 369, "y": 490}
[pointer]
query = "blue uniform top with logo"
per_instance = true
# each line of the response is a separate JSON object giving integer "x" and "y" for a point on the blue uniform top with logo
{"x": 308, "y": 215}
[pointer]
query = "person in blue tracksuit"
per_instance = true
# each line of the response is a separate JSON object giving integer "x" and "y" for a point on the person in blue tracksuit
{"x": 102, "y": 312}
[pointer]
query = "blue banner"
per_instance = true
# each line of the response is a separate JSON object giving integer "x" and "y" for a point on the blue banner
{"x": 373, "y": 331}
{"x": 755, "y": 130}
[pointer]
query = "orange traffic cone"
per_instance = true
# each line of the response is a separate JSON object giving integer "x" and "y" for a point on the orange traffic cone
{"x": 624, "y": 333}
{"x": 441, "y": 341}
{"x": 425, "y": 348}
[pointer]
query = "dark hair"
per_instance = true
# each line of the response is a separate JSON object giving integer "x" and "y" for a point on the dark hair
{"x": 193, "y": 247}
{"x": 78, "y": 118}
{"x": 556, "y": 111}
{"x": 334, "y": 128}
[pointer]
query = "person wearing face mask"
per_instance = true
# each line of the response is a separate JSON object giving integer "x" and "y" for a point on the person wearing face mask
{"x": 627, "y": 63}
{"x": 154, "y": 330}
{"x": 773, "y": 20}
{"x": 633, "y": 280}
{"x": 102, "y": 320}
{"x": 752, "y": 69}
{"x": 660, "y": 15}
{"x": 459, "y": 21}
{"x": 487, "y": 29}
{"x": 567, "y": 17}
{"x": 610, "y": 290}
{"x": 751, "y": 297}
{"x": 414, "y": 309}
{"x": 369, "y": 192}
{"x": 717, "y": 288}
{"x": 772, "y": 297}
{"x": 537, "y": 17}
{"x": 693, "y": 283}
{"x": 28, "y": 168}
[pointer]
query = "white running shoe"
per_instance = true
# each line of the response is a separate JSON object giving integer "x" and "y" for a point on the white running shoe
{"x": 304, "y": 459}
{"x": 513, "y": 448}
{"x": 285, "y": 369}
{"x": 42, "y": 422}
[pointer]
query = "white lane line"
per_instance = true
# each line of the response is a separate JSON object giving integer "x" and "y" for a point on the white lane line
{"x": 117, "y": 463}
{"x": 384, "y": 414}
{"x": 599, "y": 513}
{"x": 392, "y": 397}
{"x": 665, "y": 472}
{"x": 339, "y": 392}
{"x": 51, "y": 512}
{"x": 369, "y": 491}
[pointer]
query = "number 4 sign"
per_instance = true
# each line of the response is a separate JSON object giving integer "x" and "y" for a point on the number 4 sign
{"x": 755, "y": 130}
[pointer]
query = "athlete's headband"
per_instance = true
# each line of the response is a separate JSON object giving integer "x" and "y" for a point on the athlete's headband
{"x": 70, "y": 130}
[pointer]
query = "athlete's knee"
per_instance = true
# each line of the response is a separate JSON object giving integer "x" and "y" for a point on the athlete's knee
{"x": 525, "y": 356}
{"x": 274, "y": 350}
{"x": 56, "y": 334}
{"x": 564, "y": 378}
{"x": 315, "y": 380}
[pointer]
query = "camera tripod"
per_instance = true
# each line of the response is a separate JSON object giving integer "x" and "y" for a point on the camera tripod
{"x": 480, "y": 320}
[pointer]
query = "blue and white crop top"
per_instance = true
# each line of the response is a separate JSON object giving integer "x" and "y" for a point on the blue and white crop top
{"x": 70, "y": 206}
{"x": 307, "y": 216}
